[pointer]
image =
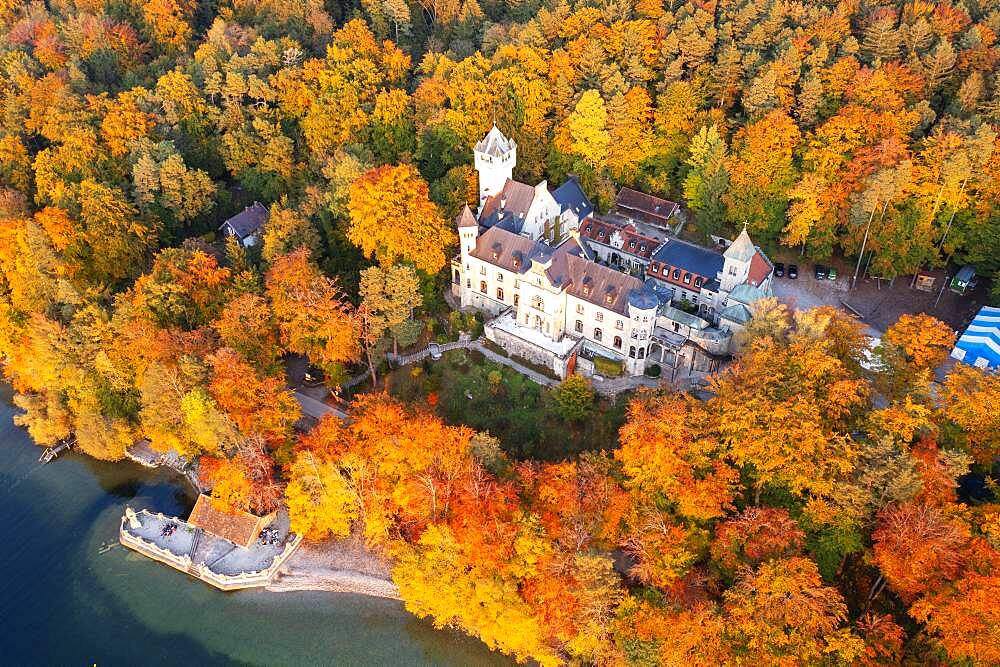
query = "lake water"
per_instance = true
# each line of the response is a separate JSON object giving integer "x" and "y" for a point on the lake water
{"x": 64, "y": 603}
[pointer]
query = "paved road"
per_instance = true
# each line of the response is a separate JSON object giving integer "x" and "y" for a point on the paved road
{"x": 315, "y": 408}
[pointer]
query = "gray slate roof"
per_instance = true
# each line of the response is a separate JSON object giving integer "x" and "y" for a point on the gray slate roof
{"x": 690, "y": 257}
{"x": 248, "y": 221}
{"x": 571, "y": 197}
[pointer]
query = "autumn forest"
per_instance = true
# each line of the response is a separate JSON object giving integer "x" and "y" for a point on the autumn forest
{"x": 805, "y": 509}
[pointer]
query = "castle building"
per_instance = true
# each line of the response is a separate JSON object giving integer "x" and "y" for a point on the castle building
{"x": 529, "y": 261}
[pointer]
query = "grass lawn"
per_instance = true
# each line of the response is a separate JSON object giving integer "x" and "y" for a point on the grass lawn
{"x": 465, "y": 388}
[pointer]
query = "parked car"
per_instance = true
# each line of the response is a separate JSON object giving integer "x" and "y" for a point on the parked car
{"x": 779, "y": 269}
{"x": 820, "y": 272}
{"x": 314, "y": 376}
{"x": 831, "y": 273}
{"x": 793, "y": 271}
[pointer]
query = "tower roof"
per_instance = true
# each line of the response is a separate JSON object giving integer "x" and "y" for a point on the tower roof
{"x": 742, "y": 248}
{"x": 465, "y": 218}
{"x": 495, "y": 143}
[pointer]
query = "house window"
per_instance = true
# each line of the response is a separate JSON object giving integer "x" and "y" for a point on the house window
{"x": 599, "y": 316}
{"x": 482, "y": 270}
{"x": 697, "y": 282}
{"x": 537, "y": 303}
{"x": 499, "y": 294}
{"x": 620, "y": 325}
{"x": 631, "y": 351}
{"x": 579, "y": 308}
{"x": 517, "y": 298}
{"x": 642, "y": 353}
{"x": 499, "y": 277}
{"x": 677, "y": 274}
{"x": 618, "y": 342}
{"x": 687, "y": 278}
{"x": 578, "y": 326}
{"x": 597, "y": 334}
{"x": 517, "y": 284}
{"x": 482, "y": 286}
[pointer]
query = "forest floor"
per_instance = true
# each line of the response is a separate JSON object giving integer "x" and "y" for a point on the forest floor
{"x": 342, "y": 566}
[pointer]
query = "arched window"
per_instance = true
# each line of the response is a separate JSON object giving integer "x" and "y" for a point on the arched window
{"x": 597, "y": 334}
{"x": 631, "y": 351}
{"x": 458, "y": 277}
{"x": 578, "y": 326}
{"x": 482, "y": 286}
{"x": 618, "y": 342}
{"x": 499, "y": 294}
{"x": 642, "y": 353}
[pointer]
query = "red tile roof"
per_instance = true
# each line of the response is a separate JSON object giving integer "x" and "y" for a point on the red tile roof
{"x": 634, "y": 243}
{"x": 760, "y": 269}
{"x": 641, "y": 206}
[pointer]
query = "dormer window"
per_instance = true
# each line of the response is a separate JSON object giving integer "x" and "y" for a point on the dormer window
{"x": 610, "y": 298}
{"x": 586, "y": 290}
{"x": 687, "y": 278}
{"x": 631, "y": 244}
{"x": 642, "y": 248}
{"x": 496, "y": 255}
{"x": 600, "y": 234}
{"x": 590, "y": 228}
{"x": 677, "y": 274}
{"x": 697, "y": 282}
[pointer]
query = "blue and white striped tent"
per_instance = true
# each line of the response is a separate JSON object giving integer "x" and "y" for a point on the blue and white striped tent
{"x": 980, "y": 343}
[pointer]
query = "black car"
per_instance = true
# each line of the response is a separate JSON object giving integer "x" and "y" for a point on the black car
{"x": 793, "y": 271}
{"x": 820, "y": 273}
{"x": 779, "y": 269}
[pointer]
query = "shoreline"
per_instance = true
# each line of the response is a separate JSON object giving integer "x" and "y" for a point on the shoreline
{"x": 337, "y": 566}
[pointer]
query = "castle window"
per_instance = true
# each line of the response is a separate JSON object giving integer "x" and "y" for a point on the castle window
{"x": 642, "y": 353}
{"x": 579, "y": 308}
{"x": 499, "y": 277}
{"x": 517, "y": 284}
{"x": 631, "y": 351}
{"x": 458, "y": 277}
{"x": 517, "y": 298}
{"x": 482, "y": 270}
{"x": 499, "y": 294}
{"x": 620, "y": 325}
{"x": 468, "y": 283}
{"x": 599, "y": 316}
{"x": 482, "y": 286}
{"x": 597, "y": 334}
{"x": 687, "y": 278}
{"x": 578, "y": 326}
{"x": 618, "y": 342}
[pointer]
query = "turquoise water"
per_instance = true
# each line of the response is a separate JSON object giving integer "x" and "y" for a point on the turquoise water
{"x": 64, "y": 603}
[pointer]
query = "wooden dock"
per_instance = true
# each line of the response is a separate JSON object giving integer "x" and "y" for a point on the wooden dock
{"x": 52, "y": 452}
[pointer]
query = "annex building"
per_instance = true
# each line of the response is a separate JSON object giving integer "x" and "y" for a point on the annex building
{"x": 571, "y": 291}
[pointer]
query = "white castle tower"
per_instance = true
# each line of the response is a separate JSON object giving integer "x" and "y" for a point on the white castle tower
{"x": 737, "y": 261}
{"x": 496, "y": 156}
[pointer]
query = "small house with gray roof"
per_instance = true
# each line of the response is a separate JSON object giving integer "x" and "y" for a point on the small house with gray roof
{"x": 247, "y": 224}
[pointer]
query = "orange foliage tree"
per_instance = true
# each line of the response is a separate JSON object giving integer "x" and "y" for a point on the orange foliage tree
{"x": 393, "y": 219}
